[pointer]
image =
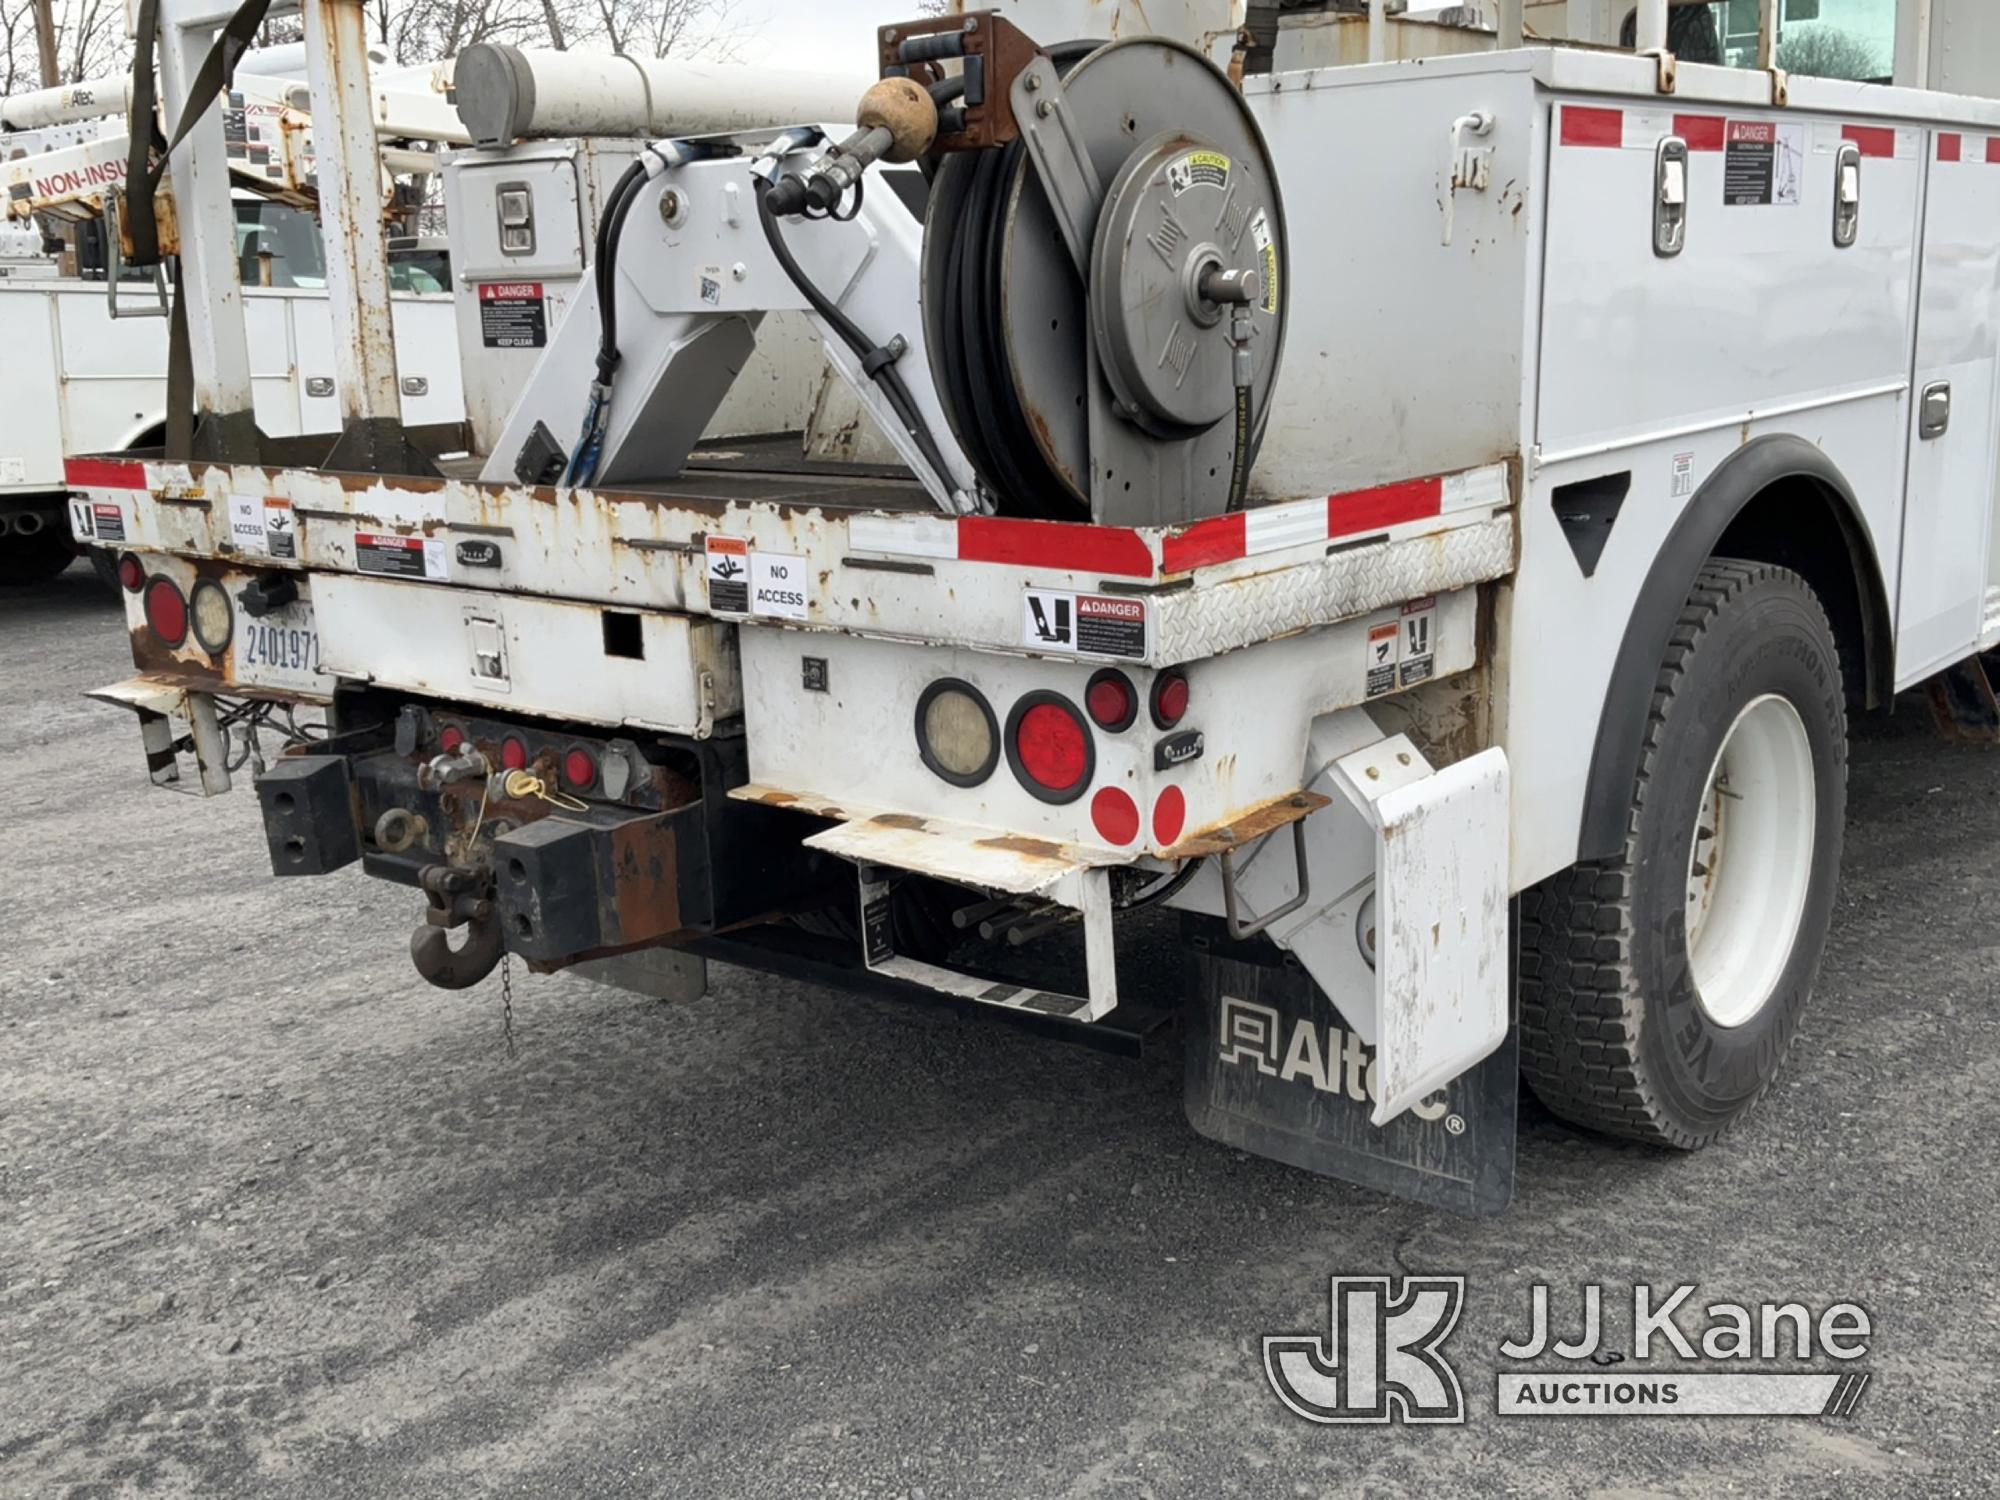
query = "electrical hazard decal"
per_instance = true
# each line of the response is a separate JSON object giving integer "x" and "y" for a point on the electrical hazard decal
{"x": 513, "y": 315}
{"x": 1083, "y": 624}
{"x": 728, "y": 575}
{"x": 401, "y": 556}
{"x": 1763, "y": 163}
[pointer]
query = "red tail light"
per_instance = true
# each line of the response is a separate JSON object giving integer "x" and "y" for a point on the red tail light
{"x": 1170, "y": 699}
{"x": 513, "y": 754}
{"x": 1049, "y": 747}
{"x": 166, "y": 611}
{"x": 580, "y": 770}
{"x": 131, "y": 573}
{"x": 1112, "y": 700}
{"x": 451, "y": 739}
{"x": 1169, "y": 816}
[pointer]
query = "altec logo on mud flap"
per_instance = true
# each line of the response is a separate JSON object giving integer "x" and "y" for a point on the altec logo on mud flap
{"x": 1332, "y": 1060}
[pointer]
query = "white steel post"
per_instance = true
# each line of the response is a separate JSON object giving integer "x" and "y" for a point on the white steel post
{"x": 1913, "y": 44}
{"x": 1511, "y": 30}
{"x": 350, "y": 198}
{"x": 1652, "y": 29}
{"x": 1378, "y": 31}
{"x": 207, "y": 220}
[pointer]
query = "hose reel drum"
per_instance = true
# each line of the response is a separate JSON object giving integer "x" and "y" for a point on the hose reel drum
{"x": 1104, "y": 296}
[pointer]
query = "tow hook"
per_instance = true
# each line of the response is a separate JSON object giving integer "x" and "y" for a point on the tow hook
{"x": 458, "y": 897}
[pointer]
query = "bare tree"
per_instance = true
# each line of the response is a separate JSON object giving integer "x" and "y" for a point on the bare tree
{"x": 1829, "y": 52}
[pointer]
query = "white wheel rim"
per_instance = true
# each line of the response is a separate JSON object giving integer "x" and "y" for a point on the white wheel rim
{"x": 1750, "y": 864}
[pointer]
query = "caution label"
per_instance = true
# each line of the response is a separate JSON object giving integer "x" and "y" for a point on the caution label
{"x": 400, "y": 556}
{"x": 1381, "y": 658}
{"x": 1198, "y": 169}
{"x": 728, "y": 575}
{"x": 1083, "y": 624}
{"x": 1267, "y": 257}
{"x": 513, "y": 315}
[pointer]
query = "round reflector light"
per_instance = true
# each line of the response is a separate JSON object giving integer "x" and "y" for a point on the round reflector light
{"x": 580, "y": 769}
{"x": 451, "y": 739}
{"x": 1115, "y": 814}
{"x": 131, "y": 573}
{"x": 513, "y": 754}
{"x": 1169, "y": 816}
{"x": 956, "y": 733}
{"x": 1170, "y": 699}
{"x": 166, "y": 610}
{"x": 1049, "y": 746}
{"x": 1111, "y": 699}
{"x": 214, "y": 618}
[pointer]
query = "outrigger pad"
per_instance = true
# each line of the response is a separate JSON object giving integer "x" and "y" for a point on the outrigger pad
{"x": 1272, "y": 1069}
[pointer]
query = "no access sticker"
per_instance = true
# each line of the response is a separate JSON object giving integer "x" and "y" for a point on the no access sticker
{"x": 262, "y": 525}
{"x": 778, "y": 586}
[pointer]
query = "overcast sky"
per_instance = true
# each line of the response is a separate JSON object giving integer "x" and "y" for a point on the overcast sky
{"x": 834, "y": 34}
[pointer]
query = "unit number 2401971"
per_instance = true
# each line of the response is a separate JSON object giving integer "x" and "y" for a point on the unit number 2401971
{"x": 282, "y": 646}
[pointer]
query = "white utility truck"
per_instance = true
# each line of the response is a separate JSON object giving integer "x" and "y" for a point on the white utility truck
{"x": 86, "y": 365}
{"x": 1409, "y": 535}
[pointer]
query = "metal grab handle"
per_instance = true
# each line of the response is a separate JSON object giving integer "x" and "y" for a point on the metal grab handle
{"x": 114, "y": 267}
{"x": 1238, "y": 929}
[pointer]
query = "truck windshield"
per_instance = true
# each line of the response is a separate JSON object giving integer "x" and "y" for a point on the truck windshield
{"x": 277, "y": 245}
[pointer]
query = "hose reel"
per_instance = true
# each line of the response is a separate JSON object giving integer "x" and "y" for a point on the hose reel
{"x": 1104, "y": 294}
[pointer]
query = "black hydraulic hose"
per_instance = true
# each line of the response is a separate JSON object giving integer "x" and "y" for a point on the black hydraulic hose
{"x": 880, "y": 370}
{"x": 1239, "y": 473}
{"x": 609, "y": 229}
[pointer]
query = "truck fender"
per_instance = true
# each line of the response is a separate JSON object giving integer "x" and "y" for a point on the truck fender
{"x": 1724, "y": 498}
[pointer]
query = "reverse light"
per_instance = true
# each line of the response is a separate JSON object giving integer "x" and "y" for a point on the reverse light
{"x": 957, "y": 735}
{"x": 214, "y": 618}
{"x": 1170, "y": 699}
{"x": 1049, "y": 747}
{"x": 131, "y": 573}
{"x": 166, "y": 610}
{"x": 579, "y": 770}
{"x": 1112, "y": 700}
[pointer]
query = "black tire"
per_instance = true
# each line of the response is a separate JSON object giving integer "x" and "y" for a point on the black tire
{"x": 104, "y": 562}
{"x": 1614, "y": 1036}
{"x": 26, "y": 560}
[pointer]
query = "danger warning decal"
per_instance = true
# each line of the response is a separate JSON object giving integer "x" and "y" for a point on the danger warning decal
{"x": 1083, "y": 624}
{"x": 1764, "y": 162}
{"x": 107, "y": 522}
{"x": 728, "y": 575}
{"x": 401, "y": 556}
{"x": 513, "y": 315}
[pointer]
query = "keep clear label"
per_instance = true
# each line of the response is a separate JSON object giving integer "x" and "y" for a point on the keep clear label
{"x": 1085, "y": 624}
{"x": 512, "y": 315}
{"x": 261, "y": 524}
{"x": 401, "y": 556}
{"x": 778, "y": 586}
{"x": 1417, "y": 653}
{"x": 1763, "y": 163}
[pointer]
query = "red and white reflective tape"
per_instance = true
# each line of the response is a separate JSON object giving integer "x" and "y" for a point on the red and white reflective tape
{"x": 1123, "y": 552}
{"x": 1357, "y": 514}
{"x": 1592, "y": 125}
{"x": 1955, "y": 146}
{"x": 104, "y": 474}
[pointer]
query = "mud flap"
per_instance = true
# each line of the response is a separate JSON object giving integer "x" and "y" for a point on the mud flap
{"x": 1273, "y": 1069}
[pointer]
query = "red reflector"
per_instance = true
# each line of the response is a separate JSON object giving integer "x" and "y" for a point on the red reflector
{"x": 580, "y": 769}
{"x": 1169, "y": 816}
{"x": 1170, "y": 700}
{"x": 131, "y": 574}
{"x": 1111, "y": 701}
{"x": 451, "y": 739}
{"x": 1116, "y": 815}
{"x": 1054, "y": 748}
{"x": 166, "y": 611}
{"x": 513, "y": 754}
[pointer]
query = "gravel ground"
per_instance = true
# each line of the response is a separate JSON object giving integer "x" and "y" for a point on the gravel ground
{"x": 280, "y": 1219}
